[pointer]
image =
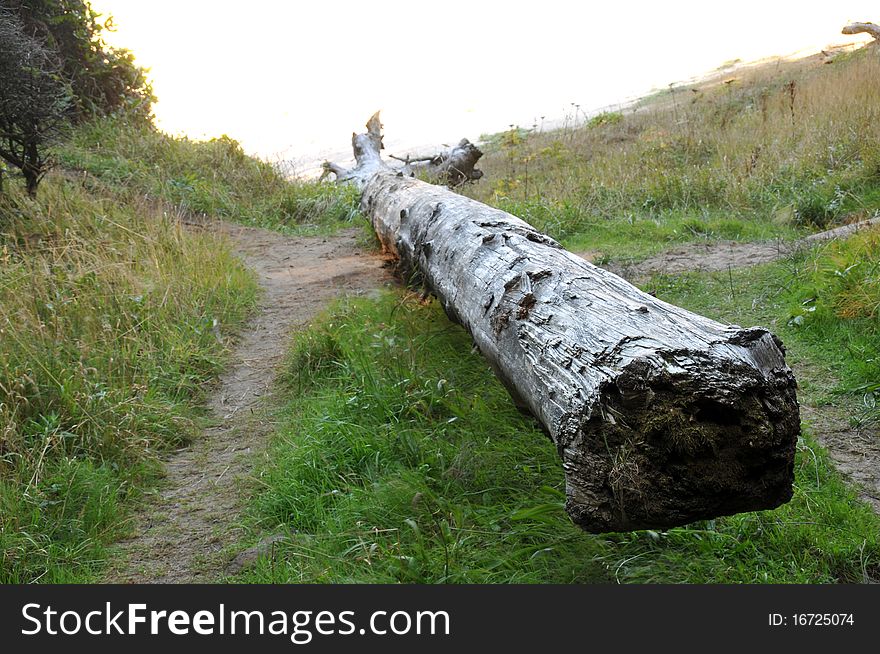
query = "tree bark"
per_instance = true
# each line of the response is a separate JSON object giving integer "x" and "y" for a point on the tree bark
{"x": 862, "y": 28}
{"x": 660, "y": 416}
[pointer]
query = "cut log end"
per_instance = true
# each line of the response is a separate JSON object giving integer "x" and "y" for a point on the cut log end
{"x": 665, "y": 446}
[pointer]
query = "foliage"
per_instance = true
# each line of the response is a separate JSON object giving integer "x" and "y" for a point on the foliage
{"x": 507, "y": 139}
{"x": 33, "y": 101}
{"x": 105, "y": 80}
{"x": 835, "y": 302}
{"x": 605, "y": 118}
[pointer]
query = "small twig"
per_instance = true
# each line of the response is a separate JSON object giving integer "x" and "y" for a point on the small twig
{"x": 408, "y": 159}
{"x": 730, "y": 280}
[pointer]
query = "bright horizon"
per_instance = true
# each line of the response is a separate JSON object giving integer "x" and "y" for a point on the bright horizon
{"x": 293, "y": 80}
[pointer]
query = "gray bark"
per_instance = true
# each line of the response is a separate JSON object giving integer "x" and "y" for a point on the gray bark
{"x": 660, "y": 416}
{"x": 862, "y": 28}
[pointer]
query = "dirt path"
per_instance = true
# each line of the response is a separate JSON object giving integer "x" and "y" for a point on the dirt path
{"x": 854, "y": 449}
{"x": 186, "y": 530}
{"x": 716, "y": 256}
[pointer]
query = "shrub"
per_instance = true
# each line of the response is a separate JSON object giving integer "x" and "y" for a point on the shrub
{"x": 104, "y": 80}
{"x": 605, "y": 118}
{"x": 33, "y": 101}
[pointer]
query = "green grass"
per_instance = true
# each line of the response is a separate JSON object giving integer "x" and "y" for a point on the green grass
{"x": 401, "y": 459}
{"x": 214, "y": 178}
{"x": 112, "y": 320}
{"x": 637, "y": 236}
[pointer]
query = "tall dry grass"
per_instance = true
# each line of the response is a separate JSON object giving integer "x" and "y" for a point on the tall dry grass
{"x": 214, "y": 177}
{"x": 112, "y": 319}
{"x": 797, "y": 143}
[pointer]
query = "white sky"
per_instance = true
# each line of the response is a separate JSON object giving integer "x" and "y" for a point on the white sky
{"x": 294, "y": 79}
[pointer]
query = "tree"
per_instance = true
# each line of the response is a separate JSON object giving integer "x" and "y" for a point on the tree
{"x": 34, "y": 101}
{"x": 660, "y": 416}
{"x": 104, "y": 80}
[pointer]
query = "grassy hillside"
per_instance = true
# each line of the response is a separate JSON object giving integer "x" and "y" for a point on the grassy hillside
{"x": 214, "y": 178}
{"x": 401, "y": 458}
{"x": 772, "y": 150}
{"x": 398, "y": 456}
{"x": 113, "y": 318}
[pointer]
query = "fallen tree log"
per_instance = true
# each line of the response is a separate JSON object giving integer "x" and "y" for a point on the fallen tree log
{"x": 862, "y": 28}
{"x": 661, "y": 416}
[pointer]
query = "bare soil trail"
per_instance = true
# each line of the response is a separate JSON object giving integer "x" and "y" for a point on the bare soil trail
{"x": 713, "y": 256}
{"x": 185, "y": 532}
{"x": 854, "y": 448}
